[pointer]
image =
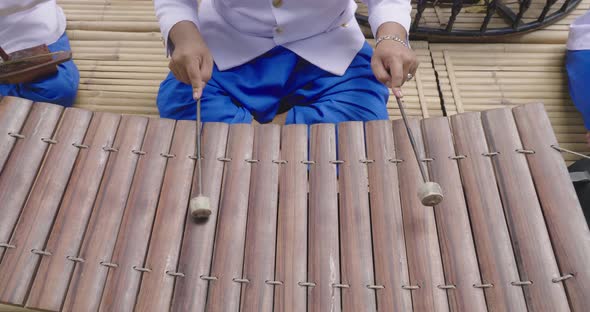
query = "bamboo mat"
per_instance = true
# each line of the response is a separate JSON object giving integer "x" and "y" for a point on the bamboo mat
{"x": 120, "y": 72}
{"x": 477, "y": 77}
{"x": 110, "y": 15}
{"x": 119, "y": 50}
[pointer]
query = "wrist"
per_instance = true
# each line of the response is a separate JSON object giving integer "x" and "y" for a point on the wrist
{"x": 393, "y": 38}
{"x": 392, "y": 29}
{"x": 184, "y": 31}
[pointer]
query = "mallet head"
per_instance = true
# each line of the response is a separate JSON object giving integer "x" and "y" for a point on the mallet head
{"x": 199, "y": 207}
{"x": 430, "y": 194}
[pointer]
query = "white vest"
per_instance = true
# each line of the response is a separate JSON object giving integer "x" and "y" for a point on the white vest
{"x": 323, "y": 32}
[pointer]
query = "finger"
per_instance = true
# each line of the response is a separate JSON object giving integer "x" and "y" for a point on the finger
{"x": 379, "y": 71}
{"x": 206, "y": 69}
{"x": 414, "y": 67}
{"x": 396, "y": 72}
{"x": 194, "y": 74}
{"x": 407, "y": 69}
{"x": 178, "y": 72}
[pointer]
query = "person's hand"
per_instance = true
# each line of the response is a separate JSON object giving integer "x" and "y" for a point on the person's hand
{"x": 191, "y": 61}
{"x": 392, "y": 61}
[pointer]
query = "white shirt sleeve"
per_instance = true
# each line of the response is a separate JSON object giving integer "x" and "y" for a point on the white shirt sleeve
{"x": 579, "y": 33}
{"x": 28, "y": 23}
{"x": 9, "y": 7}
{"x": 170, "y": 12}
{"x": 382, "y": 11}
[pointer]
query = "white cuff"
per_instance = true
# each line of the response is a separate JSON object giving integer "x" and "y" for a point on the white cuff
{"x": 579, "y": 33}
{"x": 171, "y": 18}
{"x": 390, "y": 12}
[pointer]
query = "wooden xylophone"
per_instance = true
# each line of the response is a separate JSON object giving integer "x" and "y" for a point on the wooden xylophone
{"x": 93, "y": 215}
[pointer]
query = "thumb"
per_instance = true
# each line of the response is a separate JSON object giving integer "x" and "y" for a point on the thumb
{"x": 396, "y": 72}
{"x": 194, "y": 75}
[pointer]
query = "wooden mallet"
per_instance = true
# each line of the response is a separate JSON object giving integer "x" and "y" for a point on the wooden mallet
{"x": 199, "y": 205}
{"x": 430, "y": 193}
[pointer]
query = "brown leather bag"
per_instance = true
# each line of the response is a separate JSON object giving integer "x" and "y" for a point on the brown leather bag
{"x": 30, "y": 64}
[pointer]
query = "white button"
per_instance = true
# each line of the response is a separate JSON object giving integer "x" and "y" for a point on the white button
{"x": 278, "y": 29}
{"x": 344, "y": 25}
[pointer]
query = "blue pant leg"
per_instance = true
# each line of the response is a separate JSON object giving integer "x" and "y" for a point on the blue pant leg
{"x": 59, "y": 88}
{"x": 8, "y": 90}
{"x": 236, "y": 95}
{"x": 577, "y": 65}
{"x": 355, "y": 96}
{"x": 260, "y": 84}
{"x": 175, "y": 100}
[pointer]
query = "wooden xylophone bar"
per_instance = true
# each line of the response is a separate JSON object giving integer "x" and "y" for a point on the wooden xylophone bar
{"x": 93, "y": 215}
